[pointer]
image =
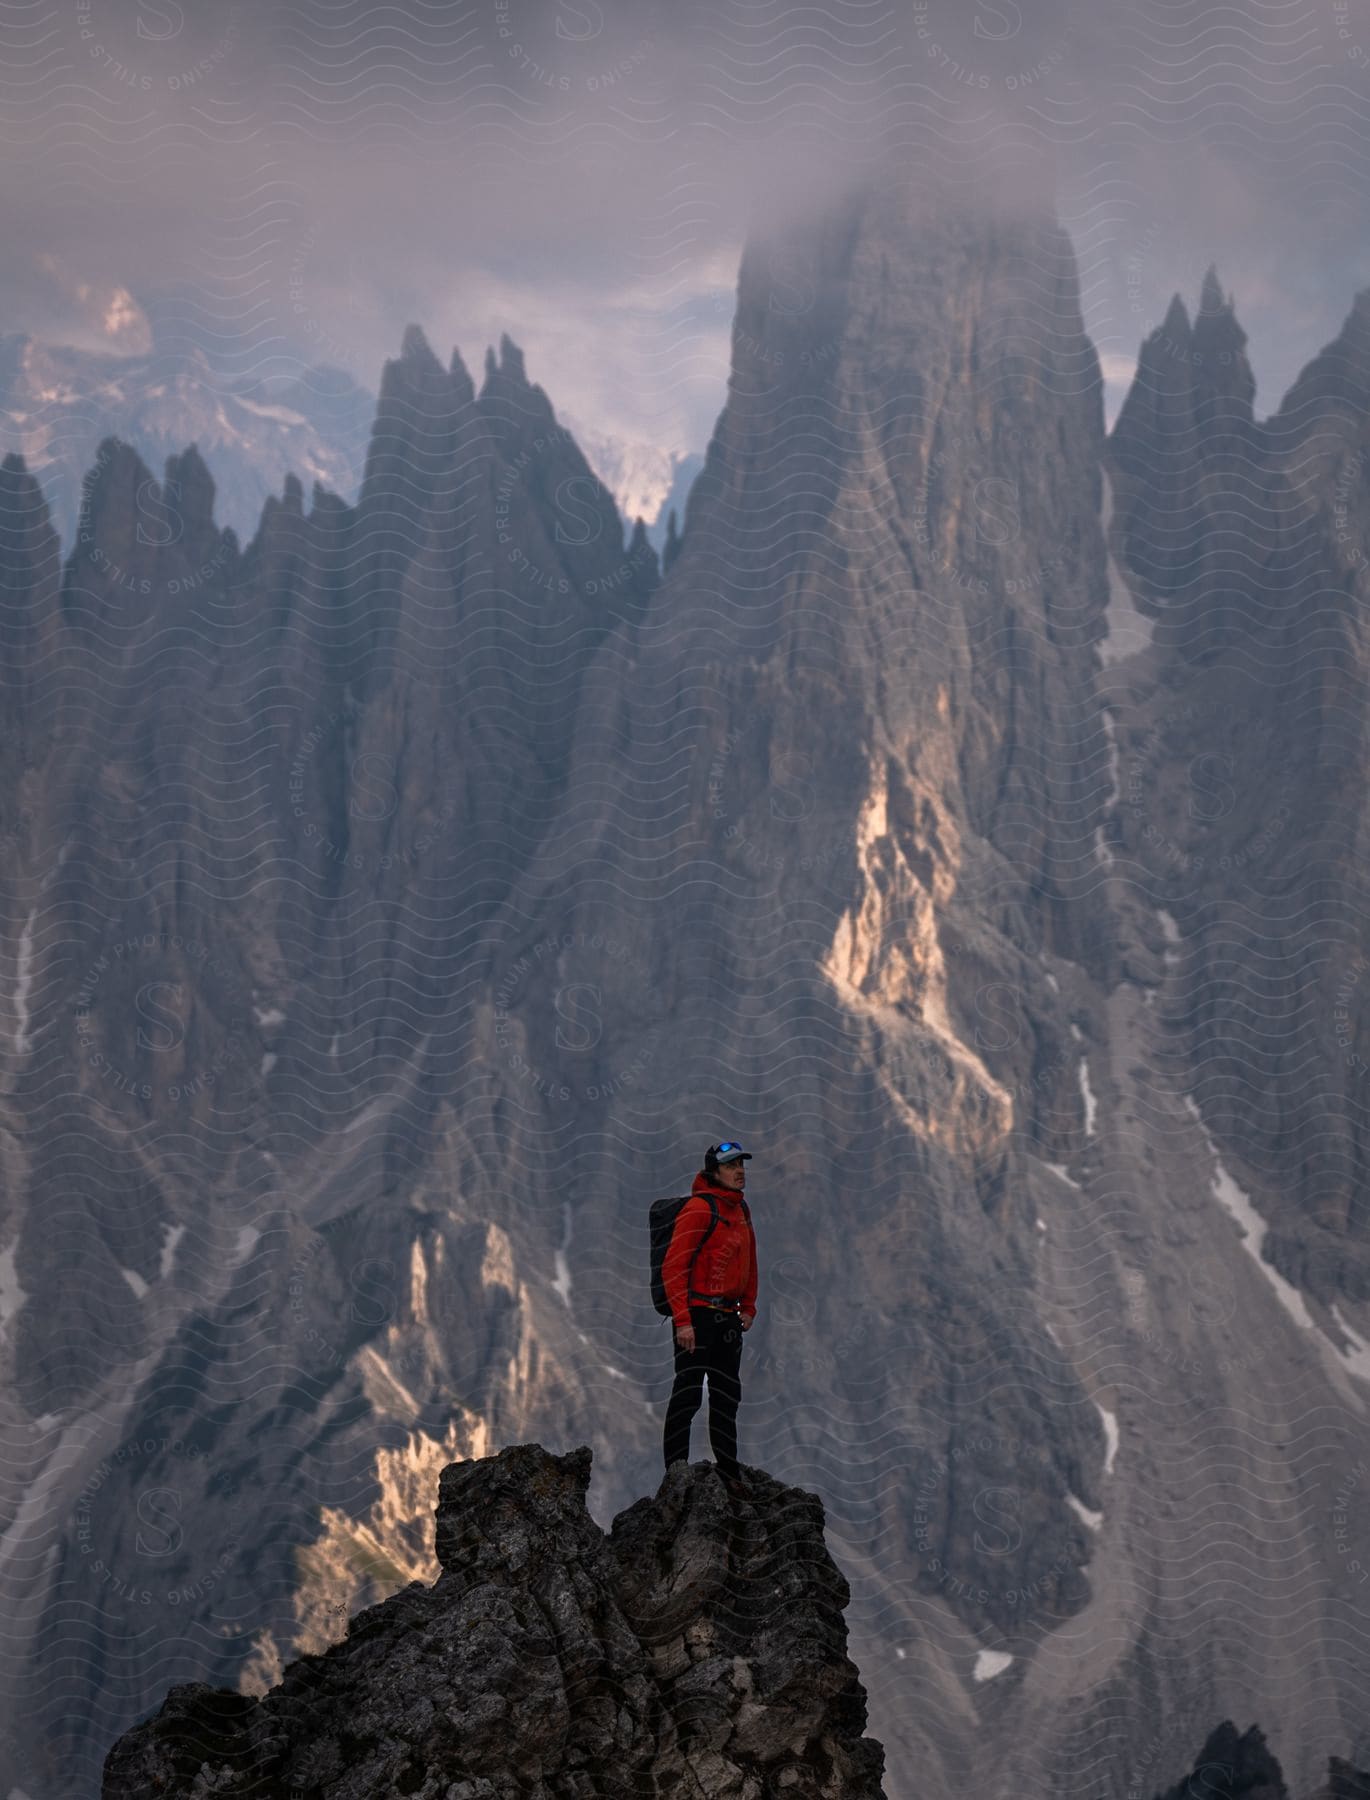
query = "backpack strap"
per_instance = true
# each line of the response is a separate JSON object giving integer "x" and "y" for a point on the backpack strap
{"x": 713, "y": 1220}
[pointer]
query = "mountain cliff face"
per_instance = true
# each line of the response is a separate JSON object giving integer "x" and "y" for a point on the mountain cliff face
{"x": 1246, "y": 544}
{"x": 1241, "y": 822}
{"x": 688, "y": 1650}
{"x": 261, "y": 804}
{"x": 399, "y": 903}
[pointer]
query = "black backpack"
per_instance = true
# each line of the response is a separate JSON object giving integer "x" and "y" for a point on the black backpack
{"x": 662, "y": 1220}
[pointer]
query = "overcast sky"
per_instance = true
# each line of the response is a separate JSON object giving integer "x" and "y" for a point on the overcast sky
{"x": 294, "y": 182}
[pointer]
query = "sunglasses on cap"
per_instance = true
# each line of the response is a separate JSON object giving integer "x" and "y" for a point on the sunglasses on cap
{"x": 729, "y": 1153}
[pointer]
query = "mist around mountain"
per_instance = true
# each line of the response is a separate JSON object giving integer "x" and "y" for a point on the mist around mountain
{"x": 968, "y": 811}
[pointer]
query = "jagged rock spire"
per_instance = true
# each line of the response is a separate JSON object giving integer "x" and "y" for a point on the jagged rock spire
{"x": 1176, "y": 320}
{"x": 417, "y": 414}
{"x": 117, "y": 477}
{"x": 462, "y": 382}
{"x": 1159, "y": 401}
{"x": 1336, "y": 380}
{"x": 416, "y": 350}
{"x": 671, "y": 548}
{"x": 507, "y": 370}
{"x": 642, "y": 555}
{"x": 188, "y": 483}
{"x": 1225, "y": 386}
{"x": 1193, "y": 384}
{"x": 1211, "y": 299}
{"x": 537, "y": 1615}
{"x": 1232, "y": 1763}
{"x": 511, "y": 359}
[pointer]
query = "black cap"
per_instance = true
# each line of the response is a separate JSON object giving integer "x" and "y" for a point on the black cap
{"x": 726, "y": 1152}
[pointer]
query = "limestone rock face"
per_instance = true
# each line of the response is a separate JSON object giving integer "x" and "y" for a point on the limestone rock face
{"x": 1243, "y": 737}
{"x": 697, "y": 1648}
{"x": 260, "y": 802}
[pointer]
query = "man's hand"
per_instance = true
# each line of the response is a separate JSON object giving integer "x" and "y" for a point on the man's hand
{"x": 747, "y": 1323}
{"x": 685, "y": 1337}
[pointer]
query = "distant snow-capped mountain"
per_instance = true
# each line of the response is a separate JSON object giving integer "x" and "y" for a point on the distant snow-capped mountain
{"x": 57, "y": 403}
{"x": 645, "y": 481}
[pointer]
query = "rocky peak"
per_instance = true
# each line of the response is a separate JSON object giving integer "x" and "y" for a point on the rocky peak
{"x": 700, "y": 1646}
{"x": 671, "y": 550}
{"x": 641, "y": 553}
{"x": 412, "y": 445}
{"x": 511, "y": 359}
{"x": 1224, "y": 382}
{"x": 416, "y": 358}
{"x": 1160, "y": 400}
{"x": 1186, "y": 424}
{"x": 1217, "y": 309}
{"x": 120, "y": 477}
{"x": 1176, "y": 321}
{"x": 507, "y": 389}
{"x": 1336, "y": 381}
{"x": 460, "y": 376}
{"x": 140, "y": 541}
{"x": 414, "y": 379}
{"x": 1211, "y": 298}
{"x": 188, "y": 481}
{"x": 1233, "y": 1763}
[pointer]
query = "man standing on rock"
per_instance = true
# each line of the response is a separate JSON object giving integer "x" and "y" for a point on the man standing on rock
{"x": 710, "y": 1282}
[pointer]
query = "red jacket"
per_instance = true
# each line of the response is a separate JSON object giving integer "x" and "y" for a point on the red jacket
{"x": 727, "y": 1263}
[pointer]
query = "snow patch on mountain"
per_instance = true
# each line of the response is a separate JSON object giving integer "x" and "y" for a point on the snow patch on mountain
{"x": 1252, "y": 1226}
{"x": 23, "y": 982}
{"x": 282, "y": 413}
{"x": 989, "y": 1663}
{"x": 1110, "y": 1421}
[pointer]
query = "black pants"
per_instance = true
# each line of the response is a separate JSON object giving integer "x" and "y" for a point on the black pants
{"x": 717, "y": 1354}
